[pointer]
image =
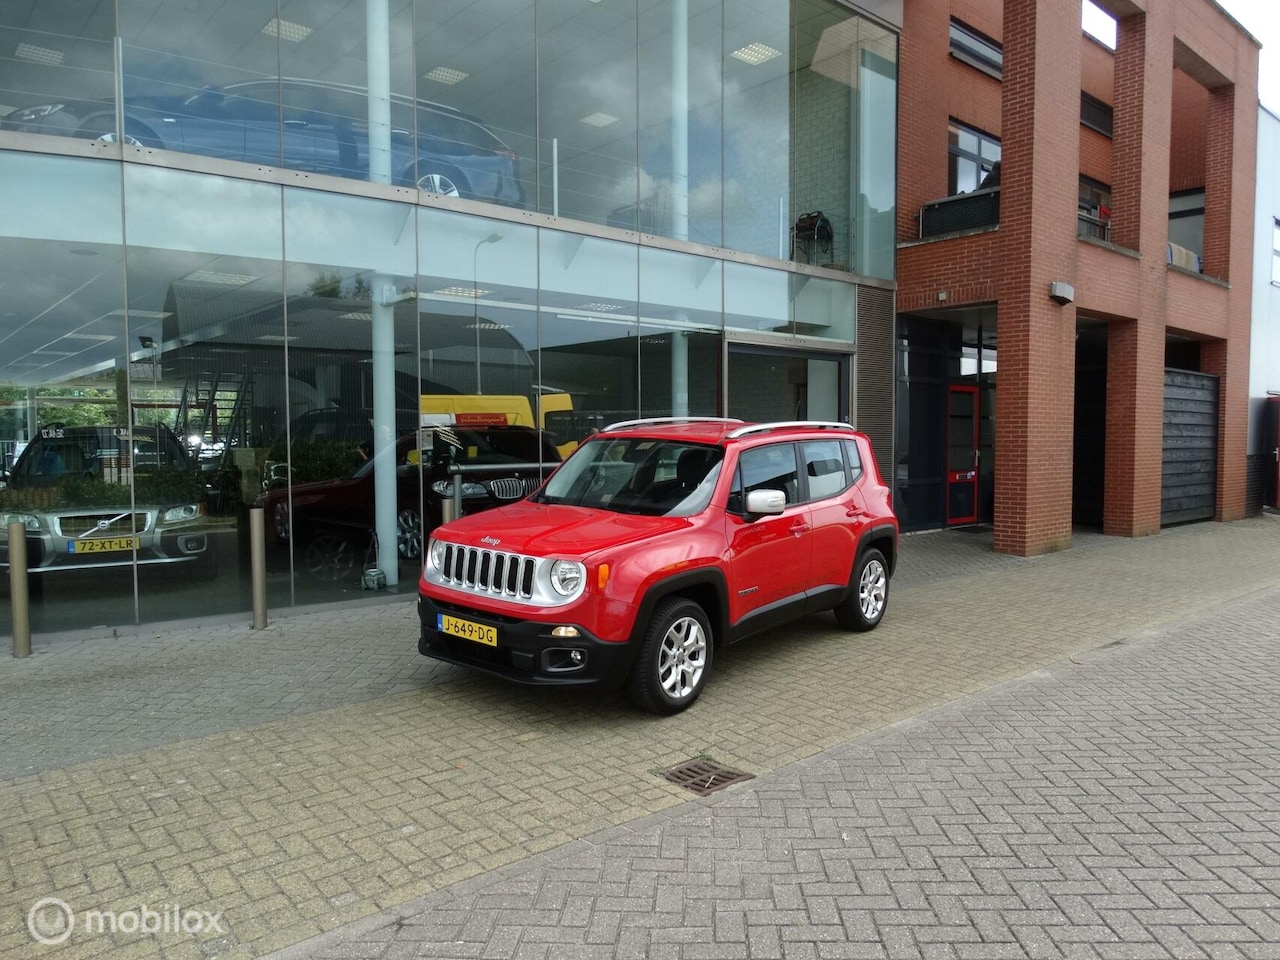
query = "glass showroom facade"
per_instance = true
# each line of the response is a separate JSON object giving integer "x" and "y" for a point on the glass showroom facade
{"x": 259, "y": 254}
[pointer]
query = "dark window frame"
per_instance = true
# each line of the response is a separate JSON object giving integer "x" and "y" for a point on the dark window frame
{"x": 976, "y": 49}
{"x": 985, "y": 165}
{"x": 1097, "y": 114}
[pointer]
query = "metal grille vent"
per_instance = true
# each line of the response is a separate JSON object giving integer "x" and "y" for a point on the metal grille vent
{"x": 704, "y": 776}
{"x": 511, "y": 488}
{"x": 875, "y": 373}
{"x": 117, "y": 525}
{"x": 505, "y": 574}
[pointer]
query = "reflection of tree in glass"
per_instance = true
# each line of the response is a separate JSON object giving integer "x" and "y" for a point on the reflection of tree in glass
{"x": 59, "y": 405}
{"x": 331, "y": 285}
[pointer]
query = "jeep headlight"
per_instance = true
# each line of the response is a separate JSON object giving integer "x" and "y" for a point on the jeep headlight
{"x": 566, "y": 577}
{"x": 435, "y": 553}
{"x": 445, "y": 489}
{"x": 26, "y": 519}
{"x": 187, "y": 512}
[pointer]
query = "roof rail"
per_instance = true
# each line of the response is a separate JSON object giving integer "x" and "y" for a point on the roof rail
{"x": 791, "y": 424}
{"x": 649, "y": 420}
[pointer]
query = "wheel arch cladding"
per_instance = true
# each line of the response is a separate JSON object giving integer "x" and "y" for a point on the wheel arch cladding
{"x": 706, "y": 588}
{"x": 884, "y": 539}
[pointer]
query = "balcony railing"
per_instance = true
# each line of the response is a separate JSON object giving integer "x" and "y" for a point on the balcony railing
{"x": 1093, "y": 228}
{"x": 968, "y": 211}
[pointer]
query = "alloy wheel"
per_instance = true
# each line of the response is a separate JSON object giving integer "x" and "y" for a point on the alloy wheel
{"x": 682, "y": 657}
{"x": 872, "y": 587}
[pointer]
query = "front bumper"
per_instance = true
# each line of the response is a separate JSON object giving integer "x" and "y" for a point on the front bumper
{"x": 526, "y": 651}
{"x": 49, "y": 554}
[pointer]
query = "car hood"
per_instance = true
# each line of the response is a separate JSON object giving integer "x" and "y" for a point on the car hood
{"x": 555, "y": 529}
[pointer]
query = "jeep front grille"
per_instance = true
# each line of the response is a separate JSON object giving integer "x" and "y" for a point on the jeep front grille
{"x": 513, "y": 488}
{"x": 489, "y": 571}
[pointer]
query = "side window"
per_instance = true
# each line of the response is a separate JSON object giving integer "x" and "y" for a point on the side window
{"x": 854, "y": 459}
{"x": 824, "y": 466}
{"x": 247, "y": 103}
{"x": 769, "y": 468}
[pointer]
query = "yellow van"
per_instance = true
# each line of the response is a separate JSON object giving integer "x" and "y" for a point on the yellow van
{"x": 474, "y": 409}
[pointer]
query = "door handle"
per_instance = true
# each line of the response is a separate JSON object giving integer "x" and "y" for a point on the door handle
{"x": 798, "y": 528}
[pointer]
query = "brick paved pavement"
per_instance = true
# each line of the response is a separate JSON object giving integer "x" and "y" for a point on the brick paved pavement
{"x": 1125, "y": 804}
{"x": 104, "y": 696}
{"x": 297, "y": 825}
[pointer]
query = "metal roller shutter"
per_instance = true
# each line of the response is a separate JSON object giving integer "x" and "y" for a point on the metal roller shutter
{"x": 1189, "y": 479}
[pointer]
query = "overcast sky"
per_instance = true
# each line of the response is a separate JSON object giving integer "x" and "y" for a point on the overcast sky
{"x": 1260, "y": 17}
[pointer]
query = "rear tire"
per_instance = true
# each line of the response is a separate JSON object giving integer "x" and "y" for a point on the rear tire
{"x": 674, "y": 659}
{"x": 868, "y": 598}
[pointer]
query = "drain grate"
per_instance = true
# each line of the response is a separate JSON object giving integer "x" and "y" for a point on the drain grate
{"x": 704, "y": 776}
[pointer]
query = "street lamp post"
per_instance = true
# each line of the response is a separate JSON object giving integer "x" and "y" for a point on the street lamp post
{"x": 475, "y": 297}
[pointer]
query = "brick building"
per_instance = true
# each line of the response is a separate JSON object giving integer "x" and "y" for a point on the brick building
{"x": 1076, "y": 224}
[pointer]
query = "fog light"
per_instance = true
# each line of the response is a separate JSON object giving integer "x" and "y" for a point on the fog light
{"x": 566, "y": 632}
{"x": 576, "y": 656}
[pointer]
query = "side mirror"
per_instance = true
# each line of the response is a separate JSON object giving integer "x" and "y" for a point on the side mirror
{"x": 766, "y": 502}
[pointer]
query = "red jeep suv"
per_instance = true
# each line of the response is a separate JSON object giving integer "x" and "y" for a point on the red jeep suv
{"x": 654, "y": 544}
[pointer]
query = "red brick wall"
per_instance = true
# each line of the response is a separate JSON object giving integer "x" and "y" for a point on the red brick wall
{"x": 1095, "y": 155}
{"x": 1171, "y": 133}
{"x": 1186, "y": 151}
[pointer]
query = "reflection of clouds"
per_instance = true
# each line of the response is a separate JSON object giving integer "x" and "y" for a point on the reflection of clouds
{"x": 350, "y": 232}
{"x": 173, "y": 210}
{"x": 60, "y": 198}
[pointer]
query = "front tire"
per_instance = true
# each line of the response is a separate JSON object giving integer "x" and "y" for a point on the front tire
{"x": 409, "y": 535}
{"x": 868, "y": 596}
{"x": 674, "y": 659}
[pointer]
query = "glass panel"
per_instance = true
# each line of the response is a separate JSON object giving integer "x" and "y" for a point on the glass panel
{"x": 587, "y": 110}
{"x": 960, "y": 501}
{"x": 757, "y": 207}
{"x": 332, "y": 93}
{"x": 351, "y": 264}
{"x": 64, "y": 391}
{"x": 205, "y": 83}
{"x": 680, "y": 300}
{"x": 57, "y": 74}
{"x": 845, "y": 92}
{"x": 680, "y": 121}
{"x": 824, "y": 464}
{"x": 824, "y": 308}
{"x": 206, "y": 321}
{"x": 474, "y": 69}
{"x": 876, "y": 152}
{"x": 589, "y": 344}
{"x": 757, "y": 299}
{"x": 961, "y": 431}
{"x": 765, "y": 386}
{"x": 476, "y": 308}
{"x": 770, "y": 468}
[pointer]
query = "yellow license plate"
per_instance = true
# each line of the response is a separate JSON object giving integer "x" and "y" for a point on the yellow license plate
{"x": 467, "y": 629}
{"x": 102, "y": 545}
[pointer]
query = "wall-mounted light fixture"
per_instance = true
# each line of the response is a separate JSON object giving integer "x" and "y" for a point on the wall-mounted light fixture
{"x": 1061, "y": 292}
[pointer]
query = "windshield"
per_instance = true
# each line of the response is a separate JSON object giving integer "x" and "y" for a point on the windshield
{"x": 102, "y": 452}
{"x": 661, "y": 478}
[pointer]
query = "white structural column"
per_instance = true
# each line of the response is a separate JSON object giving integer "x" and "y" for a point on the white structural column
{"x": 378, "y": 47}
{"x": 679, "y": 188}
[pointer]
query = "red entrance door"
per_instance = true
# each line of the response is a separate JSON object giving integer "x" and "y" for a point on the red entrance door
{"x": 1271, "y": 453}
{"x": 962, "y": 455}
